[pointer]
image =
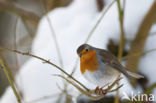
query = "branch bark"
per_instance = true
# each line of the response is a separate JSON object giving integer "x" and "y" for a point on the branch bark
{"x": 140, "y": 39}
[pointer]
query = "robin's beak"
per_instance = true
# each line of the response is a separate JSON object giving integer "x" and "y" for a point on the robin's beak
{"x": 80, "y": 54}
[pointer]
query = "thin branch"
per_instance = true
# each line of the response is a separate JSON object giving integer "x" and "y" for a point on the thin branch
{"x": 15, "y": 44}
{"x": 54, "y": 36}
{"x": 140, "y": 39}
{"x": 122, "y": 34}
{"x": 46, "y": 61}
{"x": 93, "y": 30}
{"x": 16, "y": 56}
{"x": 53, "y": 33}
{"x": 137, "y": 54}
{"x": 122, "y": 38}
{"x": 99, "y": 20}
{"x": 92, "y": 93}
{"x": 10, "y": 80}
{"x": 149, "y": 90}
{"x": 31, "y": 30}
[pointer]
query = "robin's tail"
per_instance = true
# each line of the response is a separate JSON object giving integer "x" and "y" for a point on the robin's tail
{"x": 137, "y": 76}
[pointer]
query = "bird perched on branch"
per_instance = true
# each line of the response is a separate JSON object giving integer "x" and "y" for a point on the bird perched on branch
{"x": 100, "y": 66}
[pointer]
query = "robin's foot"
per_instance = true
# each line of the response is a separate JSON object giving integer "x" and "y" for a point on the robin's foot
{"x": 102, "y": 91}
{"x": 99, "y": 90}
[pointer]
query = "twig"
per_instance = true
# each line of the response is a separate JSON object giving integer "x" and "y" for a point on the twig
{"x": 93, "y": 29}
{"x": 54, "y": 36}
{"x": 122, "y": 34}
{"x": 53, "y": 33}
{"x": 140, "y": 39}
{"x": 29, "y": 28}
{"x": 149, "y": 90}
{"x": 46, "y": 61}
{"x": 10, "y": 81}
{"x": 99, "y": 20}
{"x": 85, "y": 90}
{"x": 136, "y": 54}
{"x": 122, "y": 38}
{"x": 92, "y": 95}
{"x": 16, "y": 56}
{"x": 15, "y": 44}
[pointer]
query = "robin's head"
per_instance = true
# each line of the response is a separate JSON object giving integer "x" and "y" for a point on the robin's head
{"x": 84, "y": 48}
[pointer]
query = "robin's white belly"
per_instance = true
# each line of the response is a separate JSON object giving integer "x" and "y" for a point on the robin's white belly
{"x": 102, "y": 76}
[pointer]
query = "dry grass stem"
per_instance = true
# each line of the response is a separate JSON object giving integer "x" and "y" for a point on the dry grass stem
{"x": 10, "y": 81}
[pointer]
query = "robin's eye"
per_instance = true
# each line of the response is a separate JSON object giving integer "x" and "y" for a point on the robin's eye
{"x": 86, "y": 50}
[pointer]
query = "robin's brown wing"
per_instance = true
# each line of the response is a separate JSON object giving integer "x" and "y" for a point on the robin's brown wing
{"x": 112, "y": 61}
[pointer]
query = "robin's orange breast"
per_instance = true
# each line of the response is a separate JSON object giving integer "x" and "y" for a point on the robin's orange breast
{"x": 89, "y": 62}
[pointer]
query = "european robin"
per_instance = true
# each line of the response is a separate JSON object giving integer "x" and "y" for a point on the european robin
{"x": 100, "y": 66}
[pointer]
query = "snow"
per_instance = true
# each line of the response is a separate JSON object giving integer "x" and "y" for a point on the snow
{"x": 72, "y": 25}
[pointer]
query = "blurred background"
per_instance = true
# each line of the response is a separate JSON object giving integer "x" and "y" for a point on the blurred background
{"x": 24, "y": 26}
{"x": 19, "y": 20}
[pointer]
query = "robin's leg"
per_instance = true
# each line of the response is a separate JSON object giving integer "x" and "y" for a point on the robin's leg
{"x": 108, "y": 89}
{"x": 101, "y": 91}
{"x": 98, "y": 90}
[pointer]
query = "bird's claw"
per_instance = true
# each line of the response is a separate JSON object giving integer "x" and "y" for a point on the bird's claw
{"x": 100, "y": 91}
